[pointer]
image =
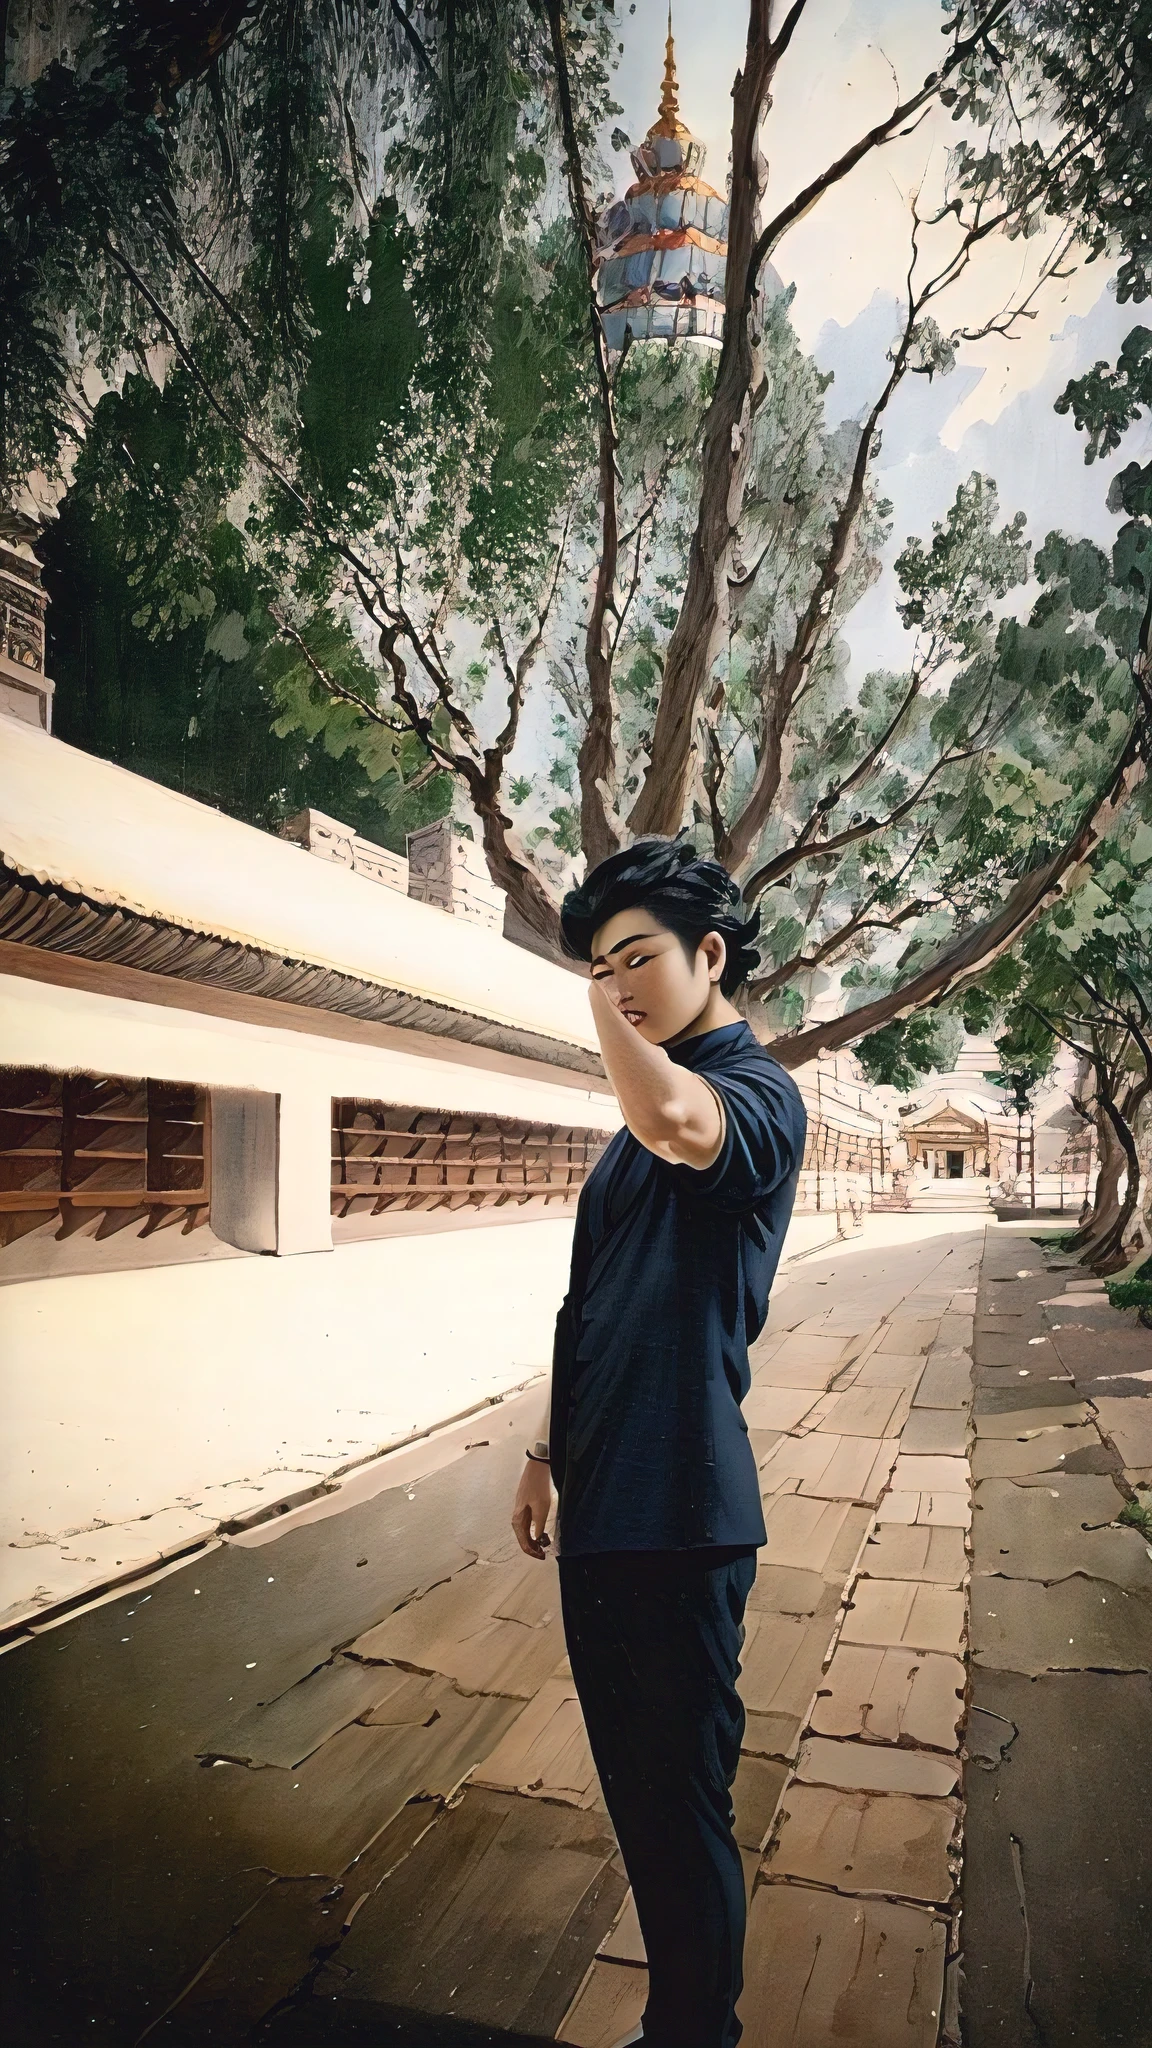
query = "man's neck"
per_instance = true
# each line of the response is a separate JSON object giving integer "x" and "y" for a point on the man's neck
{"x": 717, "y": 1011}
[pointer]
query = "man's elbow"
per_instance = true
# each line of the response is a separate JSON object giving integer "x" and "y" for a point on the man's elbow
{"x": 672, "y": 1130}
{"x": 658, "y": 1126}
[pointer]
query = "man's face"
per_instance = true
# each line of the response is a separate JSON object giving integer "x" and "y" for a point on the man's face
{"x": 643, "y": 968}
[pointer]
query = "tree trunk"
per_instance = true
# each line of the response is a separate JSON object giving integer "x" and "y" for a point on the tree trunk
{"x": 596, "y": 761}
{"x": 1105, "y": 1204}
{"x": 974, "y": 951}
{"x": 699, "y": 629}
{"x": 1106, "y": 1251}
{"x": 510, "y": 872}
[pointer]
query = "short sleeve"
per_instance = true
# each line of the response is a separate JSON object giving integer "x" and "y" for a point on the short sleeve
{"x": 763, "y": 1144}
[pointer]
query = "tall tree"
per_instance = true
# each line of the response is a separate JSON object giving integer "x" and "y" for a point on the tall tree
{"x": 662, "y": 559}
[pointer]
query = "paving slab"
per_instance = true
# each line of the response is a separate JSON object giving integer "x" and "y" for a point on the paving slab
{"x": 756, "y": 1791}
{"x": 1045, "y": 1452}
{"x": 289, "y": 1729}
{"x": 934, "y": 1510}
{"x": 931, "y": 1474}
{"x": 821, "y": 1969}
{"x": 830, "y": 1467}
{"x": 867, "y": 1411}
{"x": 1010, "y": 1351}
{"x": 812, "y": 1352}
{"x": 478, "y": 1927}
{"x": 267, "y": 1955}
{"x": 907, "y": 1335}
{"x": 776, "y": 1407}
{"x": 1049, "y": 1533}
{"x": 783, "y": 1589}
{"x": 762, "y": 1441}
{"x": 804, "y": 1532}
{"x": 1018, "y": 1379}
{"x": 1058, "y": 1863}
{"x": 545, "y": 1753}
{"x": 856, "y": 1340}
{"x": 774, "y": 1736}
{"x": 1116, "y": 1386}
{"x": 781, "y": 1662}
{"x": 846, "y": 1548}
{"x": 1056, "y": 1391}
{"x": 319, "y": 1817}
{"x": 898, "y": 1552}
{"x": 1121, "y": 1346}
{"x": 1015, "y": 1423}
{"x": 455, "y": 1630}
{"x": 876, "y": 1767}
{"x": 905, "y": 1614}
{"x": 885, "y": 1369}
{"x": 814, "y": 1374}
{"x": 887, "y": 1695}
{"x": 1075, "y": 1625}
{"x": 946, "y": 1382}
{"x": 1128, "y": 1424}
{"x": 932, "y": 1432}
{"x": 608, "y": 2006}
{"x": 411, "y": 1701}
{"x": 867, "y": 1842}
{"x": 624, "y": 1943}
{"x": 945, "y": 1510}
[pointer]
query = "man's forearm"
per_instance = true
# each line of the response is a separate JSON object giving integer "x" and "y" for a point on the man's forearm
{"x": 671, "y": 1110}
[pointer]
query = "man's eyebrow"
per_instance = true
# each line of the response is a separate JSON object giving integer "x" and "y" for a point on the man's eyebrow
{"x": 619, "y": 947}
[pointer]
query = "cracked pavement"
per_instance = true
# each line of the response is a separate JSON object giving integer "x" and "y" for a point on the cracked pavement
{"x": 1057, "y": 1856}
{"x": 328, "y": 1782}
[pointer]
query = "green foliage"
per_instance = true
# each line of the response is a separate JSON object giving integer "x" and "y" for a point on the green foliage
{"x": 1133, "y": 1514}
{"x": 948, "y": 588}
{"x": 1062, "y": 90}
{"x": 900, "y": 1055}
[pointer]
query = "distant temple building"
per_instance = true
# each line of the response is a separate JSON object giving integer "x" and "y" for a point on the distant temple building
{"x": 663, "y": 247}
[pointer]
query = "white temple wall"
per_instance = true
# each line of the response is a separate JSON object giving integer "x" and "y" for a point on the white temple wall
{"x": 213, "y": 1375}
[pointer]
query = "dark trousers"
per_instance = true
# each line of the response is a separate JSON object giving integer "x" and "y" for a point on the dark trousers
{"x": 654, "y": 1640}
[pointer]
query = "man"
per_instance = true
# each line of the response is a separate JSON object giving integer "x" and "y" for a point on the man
{"x": 678, "y": 1235}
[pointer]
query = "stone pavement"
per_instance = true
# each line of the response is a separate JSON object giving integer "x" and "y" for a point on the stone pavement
{"x": 1058, "y": 1864}
{"x": 330, "y": 1783}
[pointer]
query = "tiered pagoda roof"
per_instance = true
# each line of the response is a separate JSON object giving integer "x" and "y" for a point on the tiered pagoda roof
{"x": 662, "y": 249}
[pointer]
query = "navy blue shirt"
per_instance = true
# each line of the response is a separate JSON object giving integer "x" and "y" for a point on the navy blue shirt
{"x": 671, "y": 1269}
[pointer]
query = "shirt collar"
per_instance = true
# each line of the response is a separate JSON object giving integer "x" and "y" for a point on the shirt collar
{"x": 695, "y": 1052}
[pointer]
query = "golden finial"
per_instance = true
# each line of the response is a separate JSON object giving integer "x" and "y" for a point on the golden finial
{"x": 669, "y": 124}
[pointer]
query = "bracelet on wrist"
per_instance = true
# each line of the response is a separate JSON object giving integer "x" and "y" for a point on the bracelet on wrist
{"x": 538, "y": 1456}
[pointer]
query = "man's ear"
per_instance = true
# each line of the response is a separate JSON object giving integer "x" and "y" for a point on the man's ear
{"x": 716, "y": 954}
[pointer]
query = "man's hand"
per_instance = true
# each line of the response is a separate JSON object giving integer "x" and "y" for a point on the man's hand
{"x": 533, "y": 1506}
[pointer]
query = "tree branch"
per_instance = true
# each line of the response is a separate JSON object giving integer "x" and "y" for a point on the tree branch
{"x": 973, "y": 952}
{"x": 882, "y": 132}
{"x": 596, "y": 760}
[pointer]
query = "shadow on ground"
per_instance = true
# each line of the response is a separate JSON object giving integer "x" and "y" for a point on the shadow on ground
{"x": 167, "y": 1883}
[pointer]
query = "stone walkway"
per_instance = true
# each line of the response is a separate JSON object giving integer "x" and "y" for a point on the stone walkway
{"x": 333, "y": 1778}
{"x": 1058, "y": 1868}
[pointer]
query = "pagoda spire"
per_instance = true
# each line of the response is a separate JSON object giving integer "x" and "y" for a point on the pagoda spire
{"x": 669, "y": 123}
{"x": 662, "y": 249}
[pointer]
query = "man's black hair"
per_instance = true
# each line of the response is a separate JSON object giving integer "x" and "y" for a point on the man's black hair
{"x": 688, "y": 895}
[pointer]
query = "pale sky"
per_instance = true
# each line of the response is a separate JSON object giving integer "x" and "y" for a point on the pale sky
{"x": 849, "y": 259}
